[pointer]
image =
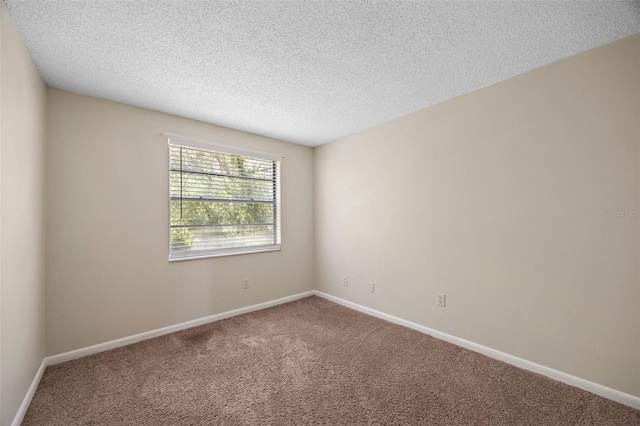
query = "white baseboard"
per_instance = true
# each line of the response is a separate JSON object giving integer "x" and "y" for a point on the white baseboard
{"x": 615, "y": 395}
{"x": 101, "y": 347}
{"x": 603, "y": 391}
{"x": 29, "y": 396}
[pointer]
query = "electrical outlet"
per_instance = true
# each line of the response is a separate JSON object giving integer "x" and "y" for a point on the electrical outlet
{"x": 345, "y": 281}
{"x": 245, "y": 283}
{"x": 372, "y": 287}
{"x": 442, "y": 299}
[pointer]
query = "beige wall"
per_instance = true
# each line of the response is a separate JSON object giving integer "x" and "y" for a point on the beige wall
{"x": 22, "y": 137}
{"x": 107, "y": 226}
{"x": 497, "y": 198}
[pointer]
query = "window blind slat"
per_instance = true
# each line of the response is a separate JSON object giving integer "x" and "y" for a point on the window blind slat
{"x": 178, "y": 140}
{"x": 221, "y": 203}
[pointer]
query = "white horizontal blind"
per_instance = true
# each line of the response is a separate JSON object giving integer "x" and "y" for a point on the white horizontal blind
{"x": 213, "y": 146}
{"x": 222, "y": 203}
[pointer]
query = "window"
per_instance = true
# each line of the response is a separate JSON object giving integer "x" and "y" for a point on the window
{"x": 223, "y": 200}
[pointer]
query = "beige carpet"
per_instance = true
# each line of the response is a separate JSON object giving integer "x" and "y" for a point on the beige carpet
{"x": 307, "y": 362}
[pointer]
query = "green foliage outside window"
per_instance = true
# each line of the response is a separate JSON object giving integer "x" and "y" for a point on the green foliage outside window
{"x": 220, "y": 200}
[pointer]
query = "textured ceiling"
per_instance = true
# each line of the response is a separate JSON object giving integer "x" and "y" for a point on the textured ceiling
{"x": 305, "y": 72}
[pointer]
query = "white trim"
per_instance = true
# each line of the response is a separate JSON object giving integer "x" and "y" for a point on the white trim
{"x": 612, "y": 394}
{"x": 101, "y": 347}
{"x": 231, "y": 252}
{"x": 214, "y": 146}
{"x": 603, "y": 391}
{"x": 22, "y": 411}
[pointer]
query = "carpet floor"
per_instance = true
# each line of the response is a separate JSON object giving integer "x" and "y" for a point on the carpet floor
{"x": 307, "y": 362}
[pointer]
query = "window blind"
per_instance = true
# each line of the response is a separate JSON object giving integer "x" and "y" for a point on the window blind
{"x": 221, "y": 203}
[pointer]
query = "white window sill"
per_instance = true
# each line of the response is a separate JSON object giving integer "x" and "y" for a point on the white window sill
{"x": 206, "y": 255}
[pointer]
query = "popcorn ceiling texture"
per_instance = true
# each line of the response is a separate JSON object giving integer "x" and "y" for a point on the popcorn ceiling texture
{"x": 305, "y": 72}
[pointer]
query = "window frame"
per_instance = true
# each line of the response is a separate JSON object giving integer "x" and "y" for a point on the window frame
{"x": 199, "y": 144}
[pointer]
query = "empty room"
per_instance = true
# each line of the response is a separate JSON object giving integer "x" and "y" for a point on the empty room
{"x": 319, "y": 212}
